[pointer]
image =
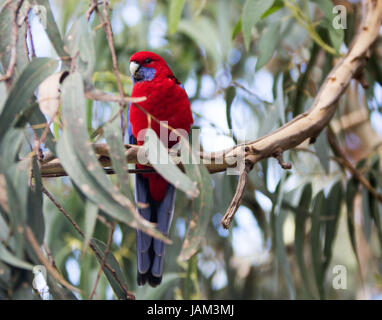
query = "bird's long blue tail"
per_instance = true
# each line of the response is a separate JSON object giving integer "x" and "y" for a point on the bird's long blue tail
{"x": 151, "y": 251}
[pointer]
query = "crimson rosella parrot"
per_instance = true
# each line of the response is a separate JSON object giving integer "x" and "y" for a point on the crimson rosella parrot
{"x": 167, "y": 101}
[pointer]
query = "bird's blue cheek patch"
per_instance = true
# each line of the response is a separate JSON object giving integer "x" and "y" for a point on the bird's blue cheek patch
{"x": 144, "y": 74}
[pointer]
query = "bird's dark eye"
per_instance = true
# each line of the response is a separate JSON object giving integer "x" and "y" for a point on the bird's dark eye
{"x": 148, "y": 60}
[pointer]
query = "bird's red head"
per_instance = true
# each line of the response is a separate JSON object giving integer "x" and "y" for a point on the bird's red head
{"x": 146, "y": 65}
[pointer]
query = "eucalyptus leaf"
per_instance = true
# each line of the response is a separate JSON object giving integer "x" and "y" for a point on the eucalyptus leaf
{"x": 113, "y": 263}
{"x": 7, "y": 257}
{"x": 79, "y": 43}
{"x": 50, "y": 26}
{"x": 23, "y": 90}
{"x": 333, "y": 211}
{"x": 322, "y": 148}
{"x": 366, "y": 214}
{"x": 301, "y": 218}
{"x": 91, "y": 214}
{"x": 117, "y": 150}
{"x": 205, "y": 34}
{"x": 159, "y": 158}
{"x": 319, "y": 208}
{"x": 268, "y": 43}
{"x": 35, "y": 218}
{"x": 336, "y": 35}
{"x": 252, "y": 12}
{"x": 175, "y": 12}
{"x": 351, "y": 192}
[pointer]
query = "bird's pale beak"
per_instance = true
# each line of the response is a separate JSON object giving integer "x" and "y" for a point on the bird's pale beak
{"x": 134, "y": 66}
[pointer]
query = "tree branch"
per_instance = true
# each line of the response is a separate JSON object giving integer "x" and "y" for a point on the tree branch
{"x": 305, "y": 126}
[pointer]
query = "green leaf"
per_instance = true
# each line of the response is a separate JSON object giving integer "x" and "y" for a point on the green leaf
{"x": 268, "y": 43}
{"x": 175, "y": 12}
{"x": 374, "y": 204}
{"x": 366, "y": 214}
{"x": 3, "y": 95}
{"x": 4, "y": 229}
{"x": 326, "y": 6}
{"x": 351, "y": 192}
{"x": 322, "y": 148}
{"x": 91, "y": 213}
{"x": 23, "y": 90}
{"x": 80, "y": 161}
{"x": 230, "y": 94}
{"x": 48, "y": 22}
{"x": 252, "y": 12}
{"x": 336, "y": 35}
{"x": 300, "y": 229}
{"x": 113, "y": 263}
{"x": 278, "y": 217}
{"x": 12, "y": 143}
{"x": 35, "y": 218}
{"x": 300, "y": 95}
{"x": 159, "y": 158}
{"x": 279, "y": 101}
{"x": 113, "y": 136}
{"x": 12, "y": 260}
{"x": 319, "y": 208}
{"x": 17, "y": 178}
{"x": 204, "y": 33}
{"x": 333, "y": 211}
{"x": 37, "y": 118}
{"x": 237, "y": 29}
{"x": 277, "y": 5}
{"x": 80, "y": 40}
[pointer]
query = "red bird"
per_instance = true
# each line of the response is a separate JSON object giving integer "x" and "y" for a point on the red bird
{"x": 167, "y": 101}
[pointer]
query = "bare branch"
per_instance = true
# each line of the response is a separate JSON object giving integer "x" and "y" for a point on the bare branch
{"x": 103, "y": 96}
{"x": 236, "y": 201}
{"x": 305, "y": 126}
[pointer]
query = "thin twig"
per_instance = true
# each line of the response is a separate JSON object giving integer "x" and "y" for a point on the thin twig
{"x": 102, "y": 265}
{"x": 38, "y": 142}
{"x": 91, "y": 9}
{"x": 5, "y": 4}
{"x": 15, "y": 35}
{"x": 30, "y": 37}
{"x": 279, "y": 156}
{"x": 238, "y": 196}
{"x": 103, "y": 96}
{"x": 104, "y": 221}
{"x": 59, "y": 207}
{"x": 353, "y": 170}
{"x": 105, "y": 21}
{"x": 53, "y": 272}
{"x": 50, "y": 256}
{"x": 240, "y": 86}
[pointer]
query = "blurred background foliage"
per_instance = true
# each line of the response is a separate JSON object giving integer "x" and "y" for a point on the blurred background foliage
{"x": 248, "y": 67}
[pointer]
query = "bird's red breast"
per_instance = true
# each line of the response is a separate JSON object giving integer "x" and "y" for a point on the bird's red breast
{"x": 166, "y": 101}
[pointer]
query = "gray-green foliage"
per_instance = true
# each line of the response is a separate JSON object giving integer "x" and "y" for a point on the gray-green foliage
{"x": 307, "y": 219}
